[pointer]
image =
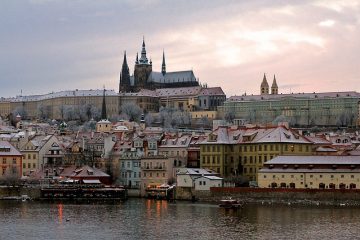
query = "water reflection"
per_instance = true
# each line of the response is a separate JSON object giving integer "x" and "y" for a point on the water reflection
{"x": 152, "y": 219}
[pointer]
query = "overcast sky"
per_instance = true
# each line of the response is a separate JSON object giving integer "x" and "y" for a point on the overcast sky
{"x": 53, "y": 45}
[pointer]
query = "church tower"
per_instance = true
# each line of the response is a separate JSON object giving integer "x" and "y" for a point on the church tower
{"x": 124, "y": 85}
{"x": 142, "y": 70}
{"x": 163, "y": 65}
{"x": 264, "y": 88}
{"x": 103, "y": 108}
{"x": 274, "y": 87}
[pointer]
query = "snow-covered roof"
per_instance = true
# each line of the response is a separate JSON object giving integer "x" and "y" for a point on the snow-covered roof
{"x": 338, "y": 160}
{"x": 172, "y": 77}
{"x": 70, "y": 93}
{"x": 184, "y": 91}
{"x": 6, "y": 149}
{"x": 212, "y": 91}
{"x": 350, "y": 94}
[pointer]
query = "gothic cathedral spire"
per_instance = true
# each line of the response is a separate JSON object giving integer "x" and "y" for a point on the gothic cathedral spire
{"x": 163, "y": 65}
{"x": 143, "y": 58}
{"x": 124, "y": 85}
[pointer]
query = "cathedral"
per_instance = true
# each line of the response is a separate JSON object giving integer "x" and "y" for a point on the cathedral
{"x": 145, "y": 78}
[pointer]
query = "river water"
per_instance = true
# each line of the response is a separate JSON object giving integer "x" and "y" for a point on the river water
{"x": 149, "y": 219}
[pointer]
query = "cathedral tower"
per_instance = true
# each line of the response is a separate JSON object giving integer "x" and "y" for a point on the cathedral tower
{"x": 264, "y": 88}
{"x": 142, "y": 69}
{"x": 274, "y": 87}
{"x": 124, "y": 85}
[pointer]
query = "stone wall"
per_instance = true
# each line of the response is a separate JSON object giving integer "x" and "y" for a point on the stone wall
{"x": 6, "y": 191}
{"x": 264, "y": 194}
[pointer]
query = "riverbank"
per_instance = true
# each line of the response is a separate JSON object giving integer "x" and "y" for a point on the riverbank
{"x": 334, "y": 197}
{"x": 315, "y": 197}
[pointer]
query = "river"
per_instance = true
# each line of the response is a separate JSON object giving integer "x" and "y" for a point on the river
{"x": 149, "y": 219}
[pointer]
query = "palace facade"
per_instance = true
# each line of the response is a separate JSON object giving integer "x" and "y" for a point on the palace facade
{"x": 340, "y": 109}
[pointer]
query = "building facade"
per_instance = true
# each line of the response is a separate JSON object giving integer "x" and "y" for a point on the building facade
{"x": 10, "y": 161}
{"x": 299, "y": 109}
{"x": 317, "y": 172}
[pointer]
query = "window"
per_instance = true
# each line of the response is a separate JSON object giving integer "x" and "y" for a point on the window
{"x": 264, "y": 176}
{"x": 342, "y": 176}
{"x": 352, "y": 176}
{"x": 24, "y": 165}
{"x": 282, "y": 176}
{"x": 34, "y": 165}
{"x": 311, "y": 176}
{"x": 292, "y": 176}
{"x": 14, "y": 160}
{"x": 29, "y": 165}
{"x": 320, "y": 176}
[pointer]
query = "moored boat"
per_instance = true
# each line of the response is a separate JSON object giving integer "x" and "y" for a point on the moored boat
{"x": 230, "y": 203}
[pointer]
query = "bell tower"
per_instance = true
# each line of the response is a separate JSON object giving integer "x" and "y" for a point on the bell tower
{"x": 264, "y": 88}
{"x": 142, "y": 70}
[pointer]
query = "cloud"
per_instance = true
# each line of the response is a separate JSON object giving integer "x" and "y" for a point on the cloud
{"x": 327, "y": 23}
{"x": 54, "y": 45}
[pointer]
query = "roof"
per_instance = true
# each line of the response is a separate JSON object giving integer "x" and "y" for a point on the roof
{"x": 184, "y": 91}
{"x": 70, "y": 93}
{"x": 172, "y": 77}
{"x": 212, "y": 91}
{"x": 195, "y": 172}
{"x": 280, "y": 134}
{"x": 6, "y": 149}
{"x": 91, "y": 181}
{"x": 84, "y": 171}
{"x": 314, "y": 95}
{"x": 339, "y": 160}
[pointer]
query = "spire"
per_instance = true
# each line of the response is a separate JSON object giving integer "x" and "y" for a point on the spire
{"x": 143, "y": 58}
{"x": 103, "y": 109}
{"x": 124, "y": 85}
{"x": 274, "y": 87}
{"x": 274, "y": 84}
{"x": 137, "y": 58}
{"x": 264, "y": 88}
{"x": 163, "y": 65}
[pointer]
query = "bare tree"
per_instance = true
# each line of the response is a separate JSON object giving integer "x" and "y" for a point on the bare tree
{"x": 149, "y": 119}
{"x": 132, "y": 110}
{"x": 43, "y": 112}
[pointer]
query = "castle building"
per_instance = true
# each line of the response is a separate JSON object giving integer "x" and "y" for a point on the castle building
{"x": 329, "y": 109}
{"x": 145, "y": 78}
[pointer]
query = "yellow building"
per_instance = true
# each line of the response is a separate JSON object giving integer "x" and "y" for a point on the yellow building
{"x": 243, "y": 151}
{"x": 317, "y": 172}
{"x": 10, "y": 160}
{"x": 103, "y": 125}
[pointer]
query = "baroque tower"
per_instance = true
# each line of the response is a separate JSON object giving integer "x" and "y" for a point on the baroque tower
{"x": 274, "y": 87}
{"x": 264, "y": 88}
{"x": 124, "y": 85}
{"x": 142, "y": 70}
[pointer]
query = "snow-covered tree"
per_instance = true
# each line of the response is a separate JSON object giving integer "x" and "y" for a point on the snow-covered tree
{"x": 132, "y": 110}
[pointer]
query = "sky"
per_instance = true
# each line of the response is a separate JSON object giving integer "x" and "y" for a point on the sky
{"x": 54, "y": 45}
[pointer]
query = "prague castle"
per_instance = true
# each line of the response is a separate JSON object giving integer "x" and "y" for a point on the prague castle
{"x": 145, "y": 78}
{"x": 337, "y": 109}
